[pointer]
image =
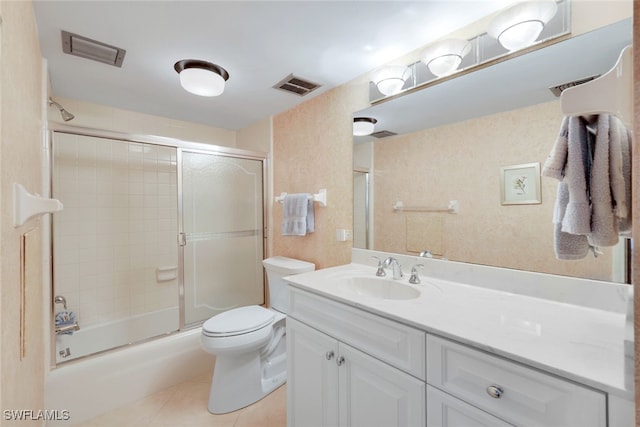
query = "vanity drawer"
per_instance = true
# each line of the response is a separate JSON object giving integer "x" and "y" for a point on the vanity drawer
{"x": 447, "y": 411}
{"x": 518, "y": 394}
{"x": 394, "y": 343}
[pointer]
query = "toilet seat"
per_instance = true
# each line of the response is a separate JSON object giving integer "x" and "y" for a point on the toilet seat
{"x": 238, "y": 321}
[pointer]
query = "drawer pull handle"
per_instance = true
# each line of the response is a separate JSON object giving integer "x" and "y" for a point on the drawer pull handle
{"x": 495, "y": 391}
{"x": 329, "y": 355}
{"x": 340, "y": 360}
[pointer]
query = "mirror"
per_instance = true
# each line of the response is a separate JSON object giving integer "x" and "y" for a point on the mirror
{"x": 457, "y": 140}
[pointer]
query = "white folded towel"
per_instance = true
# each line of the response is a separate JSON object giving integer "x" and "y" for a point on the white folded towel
{"x": 298, "y": 215}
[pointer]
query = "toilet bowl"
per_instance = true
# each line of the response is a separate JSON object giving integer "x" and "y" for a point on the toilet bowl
{"x": 250, "y": 343}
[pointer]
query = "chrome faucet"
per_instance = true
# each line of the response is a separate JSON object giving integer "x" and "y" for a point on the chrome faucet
{"x": 397, "y": 268}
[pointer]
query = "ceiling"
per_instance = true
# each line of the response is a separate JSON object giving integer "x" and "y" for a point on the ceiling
{"x": 258, "y": 42}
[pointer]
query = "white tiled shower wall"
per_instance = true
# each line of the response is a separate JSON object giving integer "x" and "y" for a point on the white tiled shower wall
{"x": 119, "y": 224}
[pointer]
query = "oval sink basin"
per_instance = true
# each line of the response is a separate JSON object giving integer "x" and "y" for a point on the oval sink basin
{"x": 380, "y": 288}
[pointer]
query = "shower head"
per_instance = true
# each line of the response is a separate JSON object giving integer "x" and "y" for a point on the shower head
{"x": 66, "y": 116}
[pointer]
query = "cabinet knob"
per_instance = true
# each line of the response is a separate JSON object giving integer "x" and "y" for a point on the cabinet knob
{"x": 495, "y": 391}
{"x": 340, "y": 360}
{"x": 329, "y": 354}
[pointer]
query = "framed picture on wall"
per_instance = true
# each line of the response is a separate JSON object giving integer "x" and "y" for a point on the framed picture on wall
{"x": 520, "y": 184}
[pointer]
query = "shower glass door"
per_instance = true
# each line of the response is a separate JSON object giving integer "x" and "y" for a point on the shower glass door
{"x": 115, "y": 255}
{"x": 222, "y": 233}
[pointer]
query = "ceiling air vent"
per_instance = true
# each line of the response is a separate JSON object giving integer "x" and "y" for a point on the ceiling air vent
{"x": 84, "y": 47}
{"x": 296, "y": 85}
{"x": 557, "y": 90}
{"x": 383, "y": 134}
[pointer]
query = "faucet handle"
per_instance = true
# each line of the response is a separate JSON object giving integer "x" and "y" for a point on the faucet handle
{"x": 415, "y": 278}
{"x": 380, "y": 272}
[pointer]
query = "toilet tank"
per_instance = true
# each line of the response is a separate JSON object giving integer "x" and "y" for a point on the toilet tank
{"x": 278, "y": 267}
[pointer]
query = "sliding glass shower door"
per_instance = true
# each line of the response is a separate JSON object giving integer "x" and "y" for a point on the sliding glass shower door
{"x": 222, "y": 233}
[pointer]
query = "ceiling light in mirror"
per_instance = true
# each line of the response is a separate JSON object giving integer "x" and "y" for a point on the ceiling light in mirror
{"x": 363, "y": 126}
{"x": 390, "y": 79}
{"x": 444, "y": 57}
{"x": 520, "y": 25}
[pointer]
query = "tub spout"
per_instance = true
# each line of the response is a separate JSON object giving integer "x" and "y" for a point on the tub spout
{"x": 65, "y": 329}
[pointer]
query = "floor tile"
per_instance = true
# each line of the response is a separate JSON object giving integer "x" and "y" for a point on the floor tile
{"x": 185, "y": 405}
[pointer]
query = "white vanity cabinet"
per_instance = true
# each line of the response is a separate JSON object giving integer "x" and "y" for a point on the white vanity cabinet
{"x": 510, "y": 391}
{"x": 331, "y": 383}
{"x": 350, "y": 367}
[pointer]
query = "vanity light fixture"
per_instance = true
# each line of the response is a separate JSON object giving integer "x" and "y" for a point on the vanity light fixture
{"x": 444, "y": 57}
{"x": 390, "y": 79}
{"x": 520, "y": 25}
{"x": 201, "y": 77}
{"x": 363, "y": 126}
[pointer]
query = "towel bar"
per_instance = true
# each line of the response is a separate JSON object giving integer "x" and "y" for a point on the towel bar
{"x": 453, "y": 208}
{"x": 320, "y": 197}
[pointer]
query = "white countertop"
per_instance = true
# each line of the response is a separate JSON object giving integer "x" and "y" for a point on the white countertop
{"x": 576, "y": 342}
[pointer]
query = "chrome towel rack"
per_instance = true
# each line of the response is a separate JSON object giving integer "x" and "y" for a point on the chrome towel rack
{"x": 320, "y": 197}
{"x": 453, "y": 207}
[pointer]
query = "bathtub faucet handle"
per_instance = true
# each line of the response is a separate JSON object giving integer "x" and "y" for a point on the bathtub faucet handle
{"x": 59, "y": 299}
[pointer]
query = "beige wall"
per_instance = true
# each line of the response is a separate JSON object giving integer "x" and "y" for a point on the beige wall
{"x": 462, "y": 162}
{"x": 255, "y": 137}
{"x": 20, "y": 131}
{"x": 130, "y": 122}
{"x": 313, "y": 149}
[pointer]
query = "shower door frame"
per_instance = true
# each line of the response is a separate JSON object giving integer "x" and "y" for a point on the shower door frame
{"x": 222, "y": 152}
{"x": 180, "y": 146}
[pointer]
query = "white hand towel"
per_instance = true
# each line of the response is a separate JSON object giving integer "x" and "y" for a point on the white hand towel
{"x": 297, "y": 215}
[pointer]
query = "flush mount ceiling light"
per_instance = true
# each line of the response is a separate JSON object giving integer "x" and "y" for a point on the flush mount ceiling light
{"x": 363, "y": 125}
{"x": 520, "y": 25}
{"x": 201, "y": 77}
{"x": 445, "y": 56}
{"x": 390, "y": 80}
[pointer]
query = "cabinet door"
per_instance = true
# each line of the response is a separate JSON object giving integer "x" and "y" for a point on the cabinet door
{"x": 374, "y": 394}
{"x": 312, "y": 383}
{"x": 444, "y": 410}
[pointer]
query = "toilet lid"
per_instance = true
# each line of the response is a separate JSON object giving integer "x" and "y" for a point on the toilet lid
{"x": 239, "y": 320}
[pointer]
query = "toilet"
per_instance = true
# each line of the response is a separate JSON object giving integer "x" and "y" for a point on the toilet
{"x": 249, "y": 343}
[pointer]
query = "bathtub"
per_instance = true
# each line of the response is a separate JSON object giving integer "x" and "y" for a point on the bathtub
{"x": 94, "y": 385}
{"x": 105, "y": 336}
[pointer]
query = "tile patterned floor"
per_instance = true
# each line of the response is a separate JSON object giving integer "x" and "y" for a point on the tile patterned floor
{"x": 185, "y": 405}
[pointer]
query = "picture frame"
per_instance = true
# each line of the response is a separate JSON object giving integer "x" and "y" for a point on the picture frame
{"x": 520, "y": 184}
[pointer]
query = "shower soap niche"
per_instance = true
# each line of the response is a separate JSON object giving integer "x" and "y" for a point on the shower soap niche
{"x": 26, "y": 205}
{"x": 164, "y": 274}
